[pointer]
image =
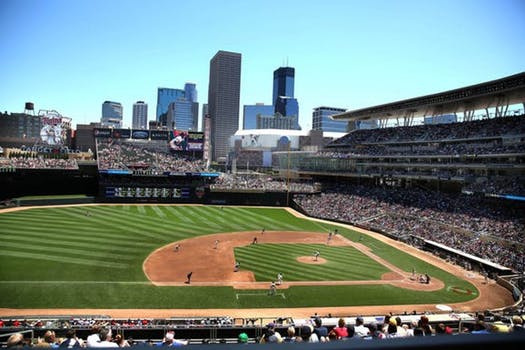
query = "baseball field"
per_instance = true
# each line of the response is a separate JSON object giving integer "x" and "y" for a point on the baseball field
{"x": 124, "y": 257}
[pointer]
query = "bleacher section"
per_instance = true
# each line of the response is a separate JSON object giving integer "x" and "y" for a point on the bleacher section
{"x": 492, "y": 231}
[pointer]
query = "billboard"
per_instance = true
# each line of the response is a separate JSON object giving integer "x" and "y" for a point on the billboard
{"x": 189, "y": 141}
{"x": 140, "y": 134}
{"x": 160, "y": 135}
{"x": 147, "y": 192}
{"x": 121, "y": 133}
{"x": 54, "y": 128}
{"x": 103, "y": 133}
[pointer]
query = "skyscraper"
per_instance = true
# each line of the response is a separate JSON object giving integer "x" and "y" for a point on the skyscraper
{"x": 111, "y": 114}
{"x": 165, "y": 96}
{"x": 180, "y": 115}
{"x": 223, "y": 100}
{"x": 190, "y": 92}
{"x": 140, "y": 115}
{"x": 284, "y": 101}
{"x": 321, "y": 119}
{"x": 283, "y": 83}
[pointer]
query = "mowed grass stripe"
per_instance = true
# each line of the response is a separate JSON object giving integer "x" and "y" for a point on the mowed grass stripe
{"x": 167, "y": 227}
{"x": 69, "y": 251}
{"x": 207, "y": 218}
{"x": 162, "y": 231}
{"x": 222, "y": 217}
{"x": 136, "y": 225}
{"x": 189, "y": 214}
{"x": 44, "y": 221}
{"x": 64, "y": 243}
{"x": 81, "y": 234}
{"x": 266, "y": 221}
{"x": 158, "y": 211}
{"x": 63, "y": 259}
{"x": 251, "y": 223}
{"x": 85, "y": 235}
{"x": 179, "y": 214}
{"x": 260, "y": 220}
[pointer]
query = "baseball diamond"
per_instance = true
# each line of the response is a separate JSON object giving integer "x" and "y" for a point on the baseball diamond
{"x": 124, "y": 255}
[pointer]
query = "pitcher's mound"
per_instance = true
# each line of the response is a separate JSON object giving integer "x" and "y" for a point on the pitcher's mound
{"x": 311, "y": 260}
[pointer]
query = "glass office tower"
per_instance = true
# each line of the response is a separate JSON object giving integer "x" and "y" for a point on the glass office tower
{"x": 111, "y": 114}
{"x": 283, "y": 83}
{"x": 165, "y": 96}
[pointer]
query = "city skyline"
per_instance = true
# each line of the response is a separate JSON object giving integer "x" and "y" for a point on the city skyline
{"x": 71, "y": 56}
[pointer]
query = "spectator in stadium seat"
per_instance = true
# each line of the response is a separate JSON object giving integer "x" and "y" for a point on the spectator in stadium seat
{"x": 340, "y": 331}
{"x": 16, "y": 340}
{"x": 71, "y": 341}
{"x": 49, "y": 340}
{"x": 169, "y": 340}
{"x": 374, "y": 332}
{"x": 424, "y": 324}
{"x": 480, "y": 328}
{"x": 105, "y": 336}
{"x": 93, "y": 339}
{"x": 121, "y": 341}
{"x": 360, "y": 330}
{"x": 290, "y": 335}
{"x": 517, "y": 324}
{"x": 320, "y": 330}
{"x": 391, "y": 331}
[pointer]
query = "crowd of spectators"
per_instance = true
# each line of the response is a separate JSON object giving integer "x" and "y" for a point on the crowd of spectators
{"x": 499, "y": 186}
{"x": 38, "y": 162}
{"x": 491, "y": 231}
{"x": 478, "y": 129}
{"x": 106, "y": 334}
{"x": 151, "y": 155}
{"x": 228, "y": 181}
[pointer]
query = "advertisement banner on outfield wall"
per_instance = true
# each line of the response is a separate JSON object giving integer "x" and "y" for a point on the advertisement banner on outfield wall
{"x": 121, "y": 133}
{"x": 159, "y": 135}
{"x": 140, "y": 134}
{"x": 103, "y": 133}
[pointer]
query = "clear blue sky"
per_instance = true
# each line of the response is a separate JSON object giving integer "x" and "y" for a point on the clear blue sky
{"x": 73, "y": 55}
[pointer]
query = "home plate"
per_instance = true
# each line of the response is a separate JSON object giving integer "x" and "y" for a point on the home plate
{"x": 443, "y": 307}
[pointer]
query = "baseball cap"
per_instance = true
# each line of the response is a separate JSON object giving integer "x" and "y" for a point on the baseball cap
{"x": 243, "y": 338}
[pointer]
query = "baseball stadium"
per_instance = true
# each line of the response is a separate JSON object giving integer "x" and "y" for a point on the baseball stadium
{"x": 416, "y": 226}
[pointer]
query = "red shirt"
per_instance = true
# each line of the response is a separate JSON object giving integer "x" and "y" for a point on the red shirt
{"x": 341, "y": 332}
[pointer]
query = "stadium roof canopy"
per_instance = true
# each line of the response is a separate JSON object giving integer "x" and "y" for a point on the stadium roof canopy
{"x": 498, "y": 94}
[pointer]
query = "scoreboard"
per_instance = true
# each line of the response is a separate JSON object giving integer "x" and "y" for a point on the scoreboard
{"x": 147, "y": 192}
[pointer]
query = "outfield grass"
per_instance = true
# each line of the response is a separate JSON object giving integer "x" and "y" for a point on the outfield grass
{"x": 91, "y": 257}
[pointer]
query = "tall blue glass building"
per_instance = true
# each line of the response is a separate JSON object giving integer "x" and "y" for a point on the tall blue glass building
{"x": 177, "y": 108}
{"x": 283, "y": 83}
{"x": 285, "y": 104}
{"x": 165, "y": 96}
{"x": 180, "y": 115}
